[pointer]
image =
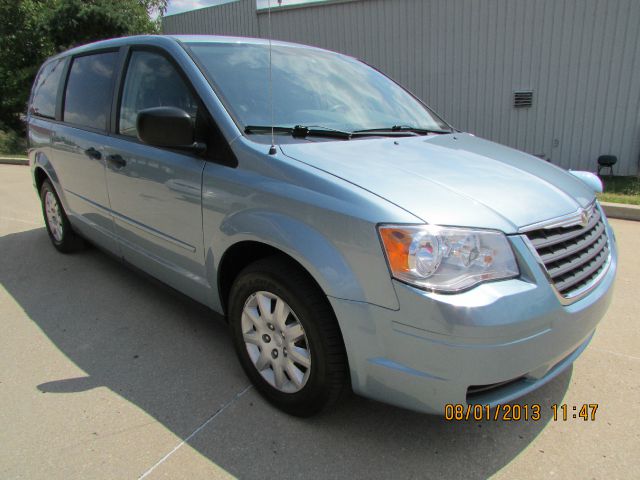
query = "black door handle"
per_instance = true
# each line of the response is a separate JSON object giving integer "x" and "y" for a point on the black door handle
{"x": 93, "y": 153}
{"x": 117, "y": 160}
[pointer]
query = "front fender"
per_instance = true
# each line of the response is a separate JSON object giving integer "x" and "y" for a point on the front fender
{"x": 338, "y": 270}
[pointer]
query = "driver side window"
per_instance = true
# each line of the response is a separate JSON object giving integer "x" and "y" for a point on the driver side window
{"x": 152, "y": 81}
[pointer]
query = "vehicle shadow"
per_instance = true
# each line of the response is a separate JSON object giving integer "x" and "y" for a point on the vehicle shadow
{"x": 173, "y": 358}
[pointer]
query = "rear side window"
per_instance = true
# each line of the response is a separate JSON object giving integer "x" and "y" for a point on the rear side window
{"x": 45, "y": 90}
{"x": 152, "y": 81}
{"x": 89, "y": 89}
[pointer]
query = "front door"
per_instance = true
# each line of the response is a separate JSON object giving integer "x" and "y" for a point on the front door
{"x": 155, "y": 193}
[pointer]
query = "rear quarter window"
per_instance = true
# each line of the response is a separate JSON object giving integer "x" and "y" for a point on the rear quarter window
{"x": 89, "y": 90}
{"x": 45, "y": 89}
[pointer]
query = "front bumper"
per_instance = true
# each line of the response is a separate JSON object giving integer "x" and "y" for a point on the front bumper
{"x": 513, "y": 335}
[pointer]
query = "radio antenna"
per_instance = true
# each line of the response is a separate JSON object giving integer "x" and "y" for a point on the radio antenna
{"x": 272, "y": 150}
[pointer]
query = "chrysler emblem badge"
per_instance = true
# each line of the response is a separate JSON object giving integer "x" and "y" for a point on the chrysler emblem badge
{"x": 584, "y": 218}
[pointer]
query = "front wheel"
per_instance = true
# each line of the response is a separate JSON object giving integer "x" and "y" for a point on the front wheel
{"x": 287, "y": 337}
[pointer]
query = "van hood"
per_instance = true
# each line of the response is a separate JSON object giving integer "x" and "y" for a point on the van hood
{"x": 453, "y": 179}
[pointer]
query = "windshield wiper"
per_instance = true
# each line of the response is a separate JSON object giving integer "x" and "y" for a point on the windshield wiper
{"x": 399, "y": 130}
{"x": 300, "y": 131}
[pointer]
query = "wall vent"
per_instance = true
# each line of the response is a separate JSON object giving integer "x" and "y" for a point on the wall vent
{"x": 523, "y": 98}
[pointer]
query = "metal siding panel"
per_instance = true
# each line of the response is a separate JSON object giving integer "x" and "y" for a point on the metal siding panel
{"x": 200, "y": 21}
{"x": 465, "y": 58}
{"x": 425, "y": 78}
{"x": 454, "y": 58}
{"x": 479, "y": 119}
{"x": 610, "y": 67}
{"x": 627, "y": 68}
{"x": 501, "y": 74}
{"x": 448, "y": 17}
{"x": 542, "y": 83}
{"x": 590, "y": 100}
{"x": 533, "y": 44}
{"x": 601, "y": 81}
{"x": 384, "y": 37}
{"x": 571, "y": 146}
{"x": 615, "y": 101}
{"x": 514, "y": 59}
{"x": 395, "y": 60}
{"x": 416, "y": 48}
{"x": 630, "y": 122}
{"x": 580, "y": 87}
{"x": 525, "y": 73}
{"x": 465, "y": 65}
{"x": 552, "y": 74}
{"x": 473, "y": 67}
{"x": 561, "y": 121}
{"x": 493, "y": 77}
{"x": 430, "y": 68}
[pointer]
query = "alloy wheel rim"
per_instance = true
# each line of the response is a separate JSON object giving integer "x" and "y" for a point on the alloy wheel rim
{"x": 54, "y": 217}
{"x": 276, "y": 342}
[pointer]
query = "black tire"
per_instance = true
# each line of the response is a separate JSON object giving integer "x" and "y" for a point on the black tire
{"x": 68, "y": 240}
{"x": 328, "y": 378}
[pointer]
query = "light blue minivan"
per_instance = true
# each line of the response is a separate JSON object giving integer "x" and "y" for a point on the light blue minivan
{"x": 352, "y": 238}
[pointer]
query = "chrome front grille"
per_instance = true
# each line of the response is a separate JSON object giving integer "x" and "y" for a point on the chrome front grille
{"x": 574, "y": 256}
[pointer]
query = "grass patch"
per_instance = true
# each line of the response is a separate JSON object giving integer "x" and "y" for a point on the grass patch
{"x": 618, "y": 198}
{"x": 623, "y": 185}
{"x": 11, "y": 143}
{"x": 621, "y": 190}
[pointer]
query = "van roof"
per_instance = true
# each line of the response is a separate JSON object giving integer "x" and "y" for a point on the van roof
{"x": 165, "y": 39}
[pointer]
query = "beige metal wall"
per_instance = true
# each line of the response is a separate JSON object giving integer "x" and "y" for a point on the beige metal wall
{"x": 466, "y": 57}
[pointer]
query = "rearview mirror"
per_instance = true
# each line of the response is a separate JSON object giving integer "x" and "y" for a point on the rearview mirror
{"x": 167, "y": 127}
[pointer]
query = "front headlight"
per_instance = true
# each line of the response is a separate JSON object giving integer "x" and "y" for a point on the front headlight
{"x": 446, "y": 259}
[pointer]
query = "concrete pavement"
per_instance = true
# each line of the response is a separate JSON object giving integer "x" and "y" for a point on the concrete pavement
{"x": 105, "y": 373}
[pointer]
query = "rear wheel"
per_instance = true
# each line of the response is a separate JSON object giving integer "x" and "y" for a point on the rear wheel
{"x": 58, "y": 227}
{"x": 287, "y": 337}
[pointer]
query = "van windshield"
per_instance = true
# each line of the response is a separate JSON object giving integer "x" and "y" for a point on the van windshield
{"x": 310, "y": 87}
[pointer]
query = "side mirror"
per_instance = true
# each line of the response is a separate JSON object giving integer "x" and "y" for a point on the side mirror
{"x": 591, "y": 179}
{"x": 167, "y": 127}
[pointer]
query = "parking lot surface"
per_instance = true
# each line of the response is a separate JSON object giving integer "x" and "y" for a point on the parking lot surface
{"x": 105, "y": 373}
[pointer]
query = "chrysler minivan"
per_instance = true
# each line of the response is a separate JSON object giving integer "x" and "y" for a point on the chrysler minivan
{"x": 353, "y": 239}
